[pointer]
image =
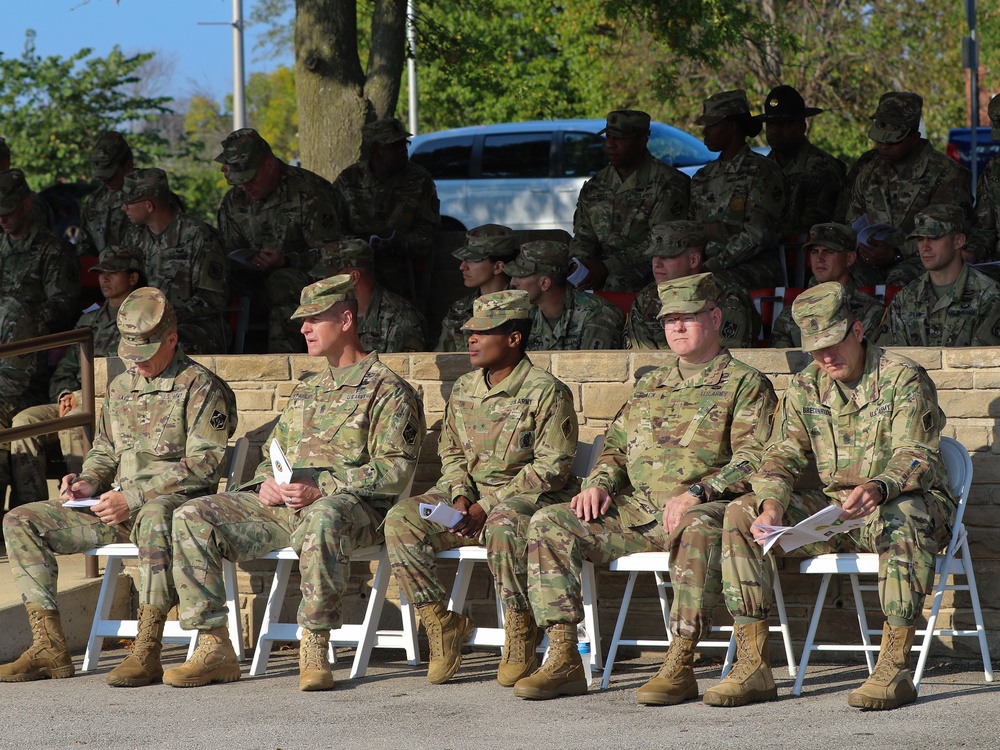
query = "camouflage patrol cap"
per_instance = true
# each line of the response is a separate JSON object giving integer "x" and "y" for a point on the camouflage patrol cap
{"x": 937, "y": 220}
{"x": 336, "y": 256}
{"x": 897, "y": 115}
{"x": 487, "y": 241}
{"x": 142, "y": 184}
{"x": 387, "y": 130}
{"x": 822, "y": 315}
{"x": 492, "y": 310}
{"x": 688, "y": 294}
{"x": 323, "y": 295}
{"x": 115, "y": 258}
{"x": 671, "y": 238}
{"x": 785, "y": 104}
{"x": 144, "y": 320}
{"x": 840, "y": 238}
{"x": 109, "y": 153}
{"x": 540, "y": 256}
{"x": 994, "y": 112}
{"x": 242, "y": 151}
{"x": 722, "y": 105}
{"x": 626, "y": 123}
{"x": 13, "y": 190}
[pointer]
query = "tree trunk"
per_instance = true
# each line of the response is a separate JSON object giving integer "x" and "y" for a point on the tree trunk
{"x": 388, "y": 53}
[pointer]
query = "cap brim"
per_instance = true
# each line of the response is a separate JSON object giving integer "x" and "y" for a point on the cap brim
{"x": 464, "y": 253}
{"x": 820, "y": 243}
{"x": 237, "y": 177}
{"x": 807, "y": 112}
{"x": 681, "y": 308}
{"x": 138, "y": 352}
{"x": 887, "y": 135}
{"x": 103, "y": 173}
{"x": 823, "y": 339}
{"x": 515, "y": 269}
{"x": 305, "y": 311}
{"x": 708, "y": 119}
{"x": 916, "y": 235}
{"x": 476, "y": 323}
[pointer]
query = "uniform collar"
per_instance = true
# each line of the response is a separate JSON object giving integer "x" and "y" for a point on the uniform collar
{"x": 711, "y": 375}
{"x": 352, "y": 376}
{"x": 510, "y": 385}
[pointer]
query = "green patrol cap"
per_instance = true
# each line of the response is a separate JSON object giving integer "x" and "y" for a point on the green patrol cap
{"x": 144, "y": 320}
{"x": 323, "y": 295}
{"x": 722, "y": 105}
{"x": 626, "y": 123}
{"x": 671, "y": 238}
{"x": 688, "y": 294}
{"x": 336, "y": 256}
{"x": 487, "y": 241}
{"x": 897, "y": 115}
{"x": 243, "y": 150}
{"x": 822, "y": 315}
{"x": 387, "y": 130}
{"x": 13, "y": 190}
{"x": 994, "y": 112}
{"x": 540, "y": 256}
{"x": 840, "y": 238}
{"x": 937, "y": 220}
{"x": 109, "y": 153}
{"x": 115, "y": 258}
{"x": 142, "y": 184}
{"x": 497, "y": 308}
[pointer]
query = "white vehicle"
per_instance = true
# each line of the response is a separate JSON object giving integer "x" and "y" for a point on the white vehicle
{"x": 527, "y": 175}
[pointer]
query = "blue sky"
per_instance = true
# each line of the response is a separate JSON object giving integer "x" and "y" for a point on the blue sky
{"x": 200, "y": 56}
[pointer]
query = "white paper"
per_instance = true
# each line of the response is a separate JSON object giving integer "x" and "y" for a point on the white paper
{"x": 243, "y": 256}
{"x": 579, "y": 273}
{"x": 279, "y": 464}
{"x": 82, "y": 502}
{"x": 819, "y": 527}
{"x": 92, "y": 308}
{"x": 441, "y": 513}
{"x": 869, "y": 233}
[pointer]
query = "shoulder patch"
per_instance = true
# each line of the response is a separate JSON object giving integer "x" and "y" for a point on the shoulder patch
{"x": 409, "y": 433}
{"x": 215, "y": 270}
{"x": 567, "y": 427}
{"x": 218, "y": 420}
{"x": 730, "y": 330}
{"x": 928, "y": 421}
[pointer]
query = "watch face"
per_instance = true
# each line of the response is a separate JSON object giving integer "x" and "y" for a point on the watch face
{"x": 697, "y": 490}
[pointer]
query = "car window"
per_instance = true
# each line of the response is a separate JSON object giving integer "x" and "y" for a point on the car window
{"x": 582, "y": 154}
{"x": 677, "y": 147}
{"x": 516, "y": 155}
{"x": 445, "y": 158}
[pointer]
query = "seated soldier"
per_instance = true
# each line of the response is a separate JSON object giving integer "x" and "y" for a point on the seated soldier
{"x": 562, "y": 317}
{"x": 507, "y": 445}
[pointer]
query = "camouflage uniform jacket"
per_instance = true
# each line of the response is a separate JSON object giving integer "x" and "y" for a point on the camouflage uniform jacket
{"x": 984, "y": 240}
{"x": 740, "y": 319}
{"x": 391, "y": 324}
{"x": 613, "y": 218}
{"x": 747, "y": 195}
{"x": 517, "y": 439}
{"x": 22, "y": 378}
{"x": 786, "y": 335}
{"x": 299, "y": 216}
{"x": 673, "y": 432}
{"x": 815, "y": 180}
{"x": 355, "y": 431}
{"x": 968, "y": 316}
{"x": 407, "y": 203}
{"x": 587, "y": 322}
{"x": 453, "y": 338}
{"x": 102, "y": 221}
{"x": 162, "y": 436}
{"x": 104, "y": 323}
{"x": 42, "y": 272}
{"x": 889, "y": 430}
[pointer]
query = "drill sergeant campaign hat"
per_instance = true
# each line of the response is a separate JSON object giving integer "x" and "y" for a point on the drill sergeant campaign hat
{"x": 142, "y": 184}
{"x": 242, "y": 152}
{"x": 671, "y": 238}
{"x": 822, "y": 315}
{"x": 387, "y": 130}
{"x": 937, "y": 220}
{"x": 321, "y": 296}
{"x": 492, "y": 310}
{"x": 897, "y": 115}
{"x": 540, "y": 256}
{"x": 688, "y": 294}
{"x": 13, "y": 190}
{"x": 785, "y": 104}
{"x": 626, "y": 123}
{"x": 336, "y": 256}
{"x": 837, "y": 237}
{"x": 116, "y": 258}
{"x": 144, "y": 320}
{"x": 109, "y": 153}
{"x": 487, "y": 241}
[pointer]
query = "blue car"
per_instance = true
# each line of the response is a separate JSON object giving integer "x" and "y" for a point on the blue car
{"x": 960, "y": 147}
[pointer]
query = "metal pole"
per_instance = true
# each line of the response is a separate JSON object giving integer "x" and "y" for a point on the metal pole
{"x": 411, "y": 66}
{"x": 239, "y": 101}
{"x": 973, "y": 63}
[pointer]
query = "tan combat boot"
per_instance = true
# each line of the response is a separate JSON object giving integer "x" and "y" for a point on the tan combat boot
{"x": 142, "y": 666}
{"x": 520, "y": 641}
{"x": 314, "y": 667}
{"x": 446, "y": 632}
{"x": 214, "y": 660}
{"x": 561, "y": 674}
{"x": 750, "y": 680}
{"x": 48, "y": 655}
{"x": 890, "y": 685}
{"x": 675, "y": 682}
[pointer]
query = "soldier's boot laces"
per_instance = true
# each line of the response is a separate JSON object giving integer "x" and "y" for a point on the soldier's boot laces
{"x": 214, "y": 660}
{"x": 447, "y": 631}
{"x": 520, "y": 640}
{"x": 142, "y": 666}
{"x": 48, "y": 655}
{"x": 890, "y": 685}
{"x": 675, "y": 682}
{"x": 750, "y": 680}
{"x": 561, "y": 674}
{"x": 314, "y": 668}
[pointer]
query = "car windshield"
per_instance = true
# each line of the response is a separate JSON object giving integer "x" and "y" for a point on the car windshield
{"x": 676, "y": 147}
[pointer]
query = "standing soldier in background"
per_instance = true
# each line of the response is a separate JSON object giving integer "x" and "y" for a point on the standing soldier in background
{"x": 41, "y": 212}
{"x": 983, "y": 244}
{"x": 101, "y": 221}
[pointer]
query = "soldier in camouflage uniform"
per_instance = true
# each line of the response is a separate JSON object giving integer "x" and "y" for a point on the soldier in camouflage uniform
{"x": 676, "y": 249}
{"x": 832, "y": 251}
{"x": 285, "y": 214}
{"x": 952, "y": 304}
{"x": 871, "y": 421}
{"x": 984, "y": 245}
{"x": 486, "y": 250}
{"x": 386, "y": 322}
{"x": 390, "y": 202}
{"x": 507, "y": 445}
{"x": 182, "y": 256}
{"x": 35, "y": 266}
{"x": 351, "y": 434}
{"x": 681, "y": 447}
{"x": 908, "y": 175}
{"x": 619, "y": 204}
{"x": 120, "y": 274}
{"x": 740, "y": 198}
{"x": 41, "y": 211}
{"x": 161, "y": 440}
{"x": 563, "y": 318}
{"x": 101, "y": 221}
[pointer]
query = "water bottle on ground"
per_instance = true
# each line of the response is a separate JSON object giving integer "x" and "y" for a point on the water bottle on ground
{"x": 583, "y": 646}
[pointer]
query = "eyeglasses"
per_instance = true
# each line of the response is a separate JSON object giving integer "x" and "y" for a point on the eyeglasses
{"x": 670, "y": 322}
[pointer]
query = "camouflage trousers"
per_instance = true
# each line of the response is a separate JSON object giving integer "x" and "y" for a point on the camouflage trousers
{"x": 27, "y": 457}
{"x": 283, "y": 288}
{"x": 413, "y": 541}
{"x": 35, "y": 533}
{"x": 907, "y": 534}
{"x": 235, "y": 526}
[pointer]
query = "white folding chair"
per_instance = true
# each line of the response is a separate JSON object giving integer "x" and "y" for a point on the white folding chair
{"x": 956, "y": 561}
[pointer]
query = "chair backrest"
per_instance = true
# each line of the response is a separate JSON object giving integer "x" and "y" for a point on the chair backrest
{"x": 622, "y": 300}
{"x": 958, "y": 464}
{"x": 587, "y": 455}
{"x": 236, "y": 461}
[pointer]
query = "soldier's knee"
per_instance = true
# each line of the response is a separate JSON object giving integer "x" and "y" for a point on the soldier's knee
{"x": 191, "y": 512}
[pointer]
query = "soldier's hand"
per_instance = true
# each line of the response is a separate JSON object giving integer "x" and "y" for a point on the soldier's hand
{"x": 71, "y": 488}
{"x": 473, "y": 518}
{"x": 879, "y": 255}
{"x": 675, "y": 508}
{"x": 113, "y": 508}
{"x": 597, "y": 276}
{"x": 66, "y": 404}
{"x": 268, "y": 259}
{"x": 770, "y": 515}
{"x": 862, "y": 501}
{"x": 300, "y": 493}
{"x": 590, "y": 504}
{"x": 270, "y": 493}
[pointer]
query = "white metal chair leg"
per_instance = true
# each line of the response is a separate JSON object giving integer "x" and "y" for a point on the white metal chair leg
{"x": 866, "y": 638}
{"x": 105, "y": 599}
{"x": 619, "y": 627}
{"x": 811, "y": 634}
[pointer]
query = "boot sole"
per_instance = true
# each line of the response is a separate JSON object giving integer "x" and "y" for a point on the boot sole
{"x": 129, "y": 682}
{"x": 733, "y": 701}
{"x": 666, "y": 699}
{"x": 188, "y": 682}
{"x": 315, "y": 687}
{"x": 40, "y": 674}
{"x": 535, "y": 694}
{"x": 867, "y": 703}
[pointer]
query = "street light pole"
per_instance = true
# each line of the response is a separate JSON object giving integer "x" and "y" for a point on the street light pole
{"x": 411, "y": 67}
{"x": 239, "y": 85}
{"x": 970, "y": 58}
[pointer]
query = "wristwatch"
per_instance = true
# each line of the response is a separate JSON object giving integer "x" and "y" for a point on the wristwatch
{"x": 699, "y": 491}
{"x": 883, "y": 488}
